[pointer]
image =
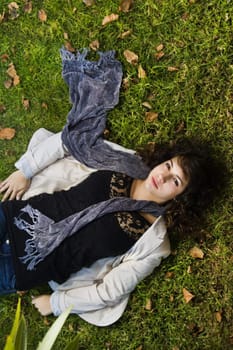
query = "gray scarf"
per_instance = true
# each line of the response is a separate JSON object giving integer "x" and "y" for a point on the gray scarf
{"x": 94, "y": 90}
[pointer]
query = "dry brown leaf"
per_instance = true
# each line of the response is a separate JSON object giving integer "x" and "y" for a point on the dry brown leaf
{"x": 159, "y": 47}
{"x": 16, "y": 80}
{"x": 69, "y": 47}
{"x": 130, "y": 57}
{"x": 28, "y": 7}
{"x": 94, "y": 45}
{"x": 125, "y": 5}
{"x": 141, "y": 72}
{"x": 218, "y": 316}
{"x": 8, "y": 83}
{"x": 172, "y": 69}
{"x": 171, "y": 298}
{"x": 187, "y": 295}
{"x": 148, "y": 305}
{"x": 89, "y": 2}
{"x": 110, "y": 18}
{"x": 169, "y": 274}
{"x": 125, "y": 83}
{"x": 189, "y": 269}
{"x": 147, "y": 105}
{"x": 7, "y": 133}
{"x": 66, "y": 36}
{"x": 11, "y": 71}
{"x": 140, "y": 347}
{"x": 25, "y": 103}
{"x": 2, "y": 108}
{"x": 196, "y": 253}
{"x": 44, "y": 105}
{"x": 4, "y": 57}
{"x": 42, "y": 15}
{"x": 151, "y": 116}
{"x": 159, "y": 55}
{"x": 2, "y": 16}
{"x": 125, "y": 34}
{"x": 13, "y": 10}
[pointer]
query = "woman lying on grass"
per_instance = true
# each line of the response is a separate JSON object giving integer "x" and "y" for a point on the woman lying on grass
{"x": 96, "y": 241}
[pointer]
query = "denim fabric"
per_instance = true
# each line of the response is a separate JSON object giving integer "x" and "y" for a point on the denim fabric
{"x": 7, "y": 275}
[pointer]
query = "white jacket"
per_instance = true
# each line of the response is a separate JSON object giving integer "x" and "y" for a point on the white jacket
{"x": 98, "y": 294}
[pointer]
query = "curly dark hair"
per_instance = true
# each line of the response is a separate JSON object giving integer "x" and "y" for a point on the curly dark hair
{"x": 200, "y": 167}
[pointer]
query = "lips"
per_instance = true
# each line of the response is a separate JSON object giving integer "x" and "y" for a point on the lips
{"x": 154, "y": 182}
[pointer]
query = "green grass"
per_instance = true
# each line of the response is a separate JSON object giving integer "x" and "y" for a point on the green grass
{"x": 197, "y": 39}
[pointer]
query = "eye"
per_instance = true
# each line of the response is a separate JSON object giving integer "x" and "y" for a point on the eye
{"x": 176, "y": 182}
{"x": 168, "y": 165}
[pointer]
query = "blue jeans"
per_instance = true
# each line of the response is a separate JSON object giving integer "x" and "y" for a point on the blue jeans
{"x": 7, "y": 275}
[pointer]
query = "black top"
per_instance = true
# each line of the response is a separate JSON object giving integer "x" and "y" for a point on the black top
{"x": 109, "y": 235}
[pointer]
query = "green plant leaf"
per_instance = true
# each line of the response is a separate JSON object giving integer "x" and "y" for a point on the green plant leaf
{"x": 53, "y": 331}
{"x": 10, "y": 342}
{"x": 21, "y": 336}
{"x": 73, "y": 345}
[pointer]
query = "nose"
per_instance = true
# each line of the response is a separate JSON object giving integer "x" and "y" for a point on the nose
{"x": 161, "y": 178}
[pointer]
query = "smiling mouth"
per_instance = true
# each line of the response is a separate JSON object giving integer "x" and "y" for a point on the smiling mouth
{"x": 154, "y": 182}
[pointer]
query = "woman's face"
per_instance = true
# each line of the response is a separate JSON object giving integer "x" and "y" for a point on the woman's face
{"x": 165, "y": 181}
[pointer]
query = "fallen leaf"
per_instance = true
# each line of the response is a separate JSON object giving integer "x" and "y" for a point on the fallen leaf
{"x": 140, "y": 347}
{"x": 13, "y": 10}
{"x": 218, "y": 316}
{"x": 196, "y": 253}
{"x": 89, "y": 2}
{"x": 2, "y": 16}
{"x": 131, "y": 57}
{"x": 185, "y": 16}
{"x": 171, "y": 298}
{"x": 110, "y": 18}
{"x": 11, "y": 71}
{"x": 94, "y": 45}
{"x": 125, "y": 83}
{"x": 169, "y": 274}
{"x": 4, "y": 57}
{"x": 8, "y": 83}
{"x": 147, "y": 105}
{"x": 65, "y": 35}
{"x": 180, "y": 127}
{"x": 141, "y": 72}
{"x": 106, "y": 133}
{"x": 28, "y": 7}
{"x": 151, "y": 116}
{"x": 125, "y": 34}
{"x": 148, "y": 305}
{"x": 7, "y": 133}
{"x": 187, "y": 295}
{"x": 69, "y": 47}
{"x": 189, "y": 269}
{"x": 44, "y": 105}
{"x": 2, "y": 108}
{"x": 46, "y": 321}
{"x": 159, "y": 55}
{"x": 42, "y": 15}
{"x": 16, "y": 80}
{"x": 125, "y": 5}
{"x": 26, "y": 103}
{"x": 159, "y": 47}
{"x": 172, "y": 69}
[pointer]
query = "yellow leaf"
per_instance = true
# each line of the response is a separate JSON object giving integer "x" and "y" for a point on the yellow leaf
{"x": 110, "y": 18}
{"x": 187, "y": 295}
{"x": 88, "y": 2}
{"x": 218, "y": 316}
{"x": 172, "y": 69}
{"x": 196, "y": 253}
{"x": 159, "y": 47}
{"x": 159, "y": 55}
{"x": 148, "y": 306}
{"x": 94, "y": 45}
{"x": 125, "y": 34}
{"x": 147, "y": 105}
{"x": 131, "y": 57}
{"x": 141, "y": 72}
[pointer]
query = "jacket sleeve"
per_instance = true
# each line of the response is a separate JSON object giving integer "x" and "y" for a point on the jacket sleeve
{"x": 115, "y": 286}
{"x": 44, "y": 149}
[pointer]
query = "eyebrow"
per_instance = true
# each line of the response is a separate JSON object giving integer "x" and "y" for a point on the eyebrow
{"x": 176, "y": 174}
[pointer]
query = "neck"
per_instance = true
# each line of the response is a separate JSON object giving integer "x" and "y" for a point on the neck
{"x": 136, "y": 192}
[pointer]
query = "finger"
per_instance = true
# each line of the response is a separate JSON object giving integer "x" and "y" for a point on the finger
{"x": 13, "y": 195}
{"x": 4, "y": 186}
{"x": 6, "y": 195}
{"x": 19, "y": 194}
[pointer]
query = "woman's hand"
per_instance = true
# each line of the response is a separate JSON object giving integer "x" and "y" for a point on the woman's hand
{"x": 14, "y": 186}
{"x": 42, "y": 303}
